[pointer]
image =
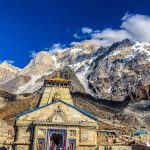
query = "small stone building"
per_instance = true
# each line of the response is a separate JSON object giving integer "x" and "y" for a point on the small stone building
{"x": 56, "y": 124}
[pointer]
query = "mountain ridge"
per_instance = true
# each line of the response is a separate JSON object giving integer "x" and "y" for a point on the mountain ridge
{"x": 117, "y": 75}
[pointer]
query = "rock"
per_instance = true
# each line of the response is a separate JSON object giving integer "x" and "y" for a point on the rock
{"x": 120, "y": 72}
{"x": 7, "y": 72}
{"x": 118, "y": 77}
{"x": 5, "y": 98}
{"x": 13, "y": 85}
{"x": 42, "y": 63}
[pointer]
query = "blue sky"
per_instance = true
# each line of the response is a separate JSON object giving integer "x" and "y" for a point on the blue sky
{"x": 32, "y": 25}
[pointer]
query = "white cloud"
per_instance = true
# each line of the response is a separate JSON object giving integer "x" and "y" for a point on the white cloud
{"x": 57, "y": 47}
{"x": 86, "y": 30}
{"x": 109, "y": 36}
{"x": 83, "y": 33}
{"x": 126, "y": 16}
{"x": 76, "y": 36}
{"x": 10, "y": 61}
{"x": 32, "y": 54}
{"x": 95, "y": 42}
{"x": 75, "y": 43}
{"x": 138, "y": 26}
{"x": 134, "y": 27}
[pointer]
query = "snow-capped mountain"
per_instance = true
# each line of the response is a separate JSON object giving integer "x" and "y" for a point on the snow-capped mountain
{"x": 41, "y": 63}
{"x": 118, "y": 74}
{"x": 123, "y": 69}
{"x": 45, "y": 62}
{"x": 7, "y": 72}
{"x": 6, "y": 68}
{"x": 6, "y": 65}
{"x": 109, "y": 73}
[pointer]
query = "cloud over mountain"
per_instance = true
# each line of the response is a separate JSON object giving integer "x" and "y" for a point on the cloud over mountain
{"x": 109, "y": 36}
{"x": 32, "y": 54}
{"x": 134, "y": 27}
{"x": 138, "y": 26}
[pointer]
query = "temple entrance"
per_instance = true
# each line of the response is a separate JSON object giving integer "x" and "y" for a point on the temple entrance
{"x": 56, "y": 141}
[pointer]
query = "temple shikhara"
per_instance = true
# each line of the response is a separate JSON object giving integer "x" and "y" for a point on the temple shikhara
{"x": 56, "y": 124}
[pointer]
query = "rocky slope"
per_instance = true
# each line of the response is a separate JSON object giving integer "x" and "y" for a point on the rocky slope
{"x": 6, "y": 98}
{"x": 123, "y": 70}
{"x": 7, "y": 72}
{"x": 42, "y": 63}
{"x": 16, "y": 83}
{"x": 7, "y": 68}
{"x": 118, "y": 77}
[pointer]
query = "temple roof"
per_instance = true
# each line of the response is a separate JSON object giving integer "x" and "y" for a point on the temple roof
{"x": 75, "y": 107}
{"x": 58, "y": 79}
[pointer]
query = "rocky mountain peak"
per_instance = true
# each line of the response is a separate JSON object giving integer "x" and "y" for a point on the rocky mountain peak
{"x": 87, "y": 45}
{"x": 116, "y": 73}
{"x": 7, "y": 72}
{"x": 41, "y": 63}
{"x": 43, "y": 57}
{"x": 100, "y": 71}
{"x": 126, "y": 43}
{"x": 6, "y": 65}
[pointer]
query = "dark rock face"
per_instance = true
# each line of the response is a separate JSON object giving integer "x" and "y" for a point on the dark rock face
{"x": 68, "y": 73}
{"x": 110, "y": 73}
{"x": 5, "y": 98}
{"x": 12, "y": 85}
{"x": 114, "y": 77}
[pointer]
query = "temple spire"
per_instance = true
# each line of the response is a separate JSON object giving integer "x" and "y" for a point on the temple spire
{"x": 58, "y": 74}
{"x": 56, "y": 88}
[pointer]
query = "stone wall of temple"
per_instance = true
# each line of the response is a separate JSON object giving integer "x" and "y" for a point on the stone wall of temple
{"x": 79, "y": 127}
{"x": 85, "y": 138}
{"x": 87, "y": 147}
{"x": 49, "y": 93}
{"x": 88, "y": 136}
{"x": 23, "y": 134}
{"x": 50, "y": 111}
{"x": 117, "y": 148}
{"x": 23, "y": 147}
{"x": 73, "y": 133}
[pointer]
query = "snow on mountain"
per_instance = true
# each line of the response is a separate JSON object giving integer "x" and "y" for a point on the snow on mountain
{"x": 141, "y": 48}
{"x": 43, "y": 62}
{"x": 7, "y": 72}
{"x": 6, "y": 65}
{"x": 122, "y": 69}
{"x": 119, "y": 72}
{"x": 93, "y": 66}
{"x": 75, "y": 50}
{"x": 30, "y": 86}
{"x": 129, "y": 54}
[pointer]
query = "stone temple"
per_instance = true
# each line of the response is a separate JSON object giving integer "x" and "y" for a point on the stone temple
{"x": 56, "y": 124}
